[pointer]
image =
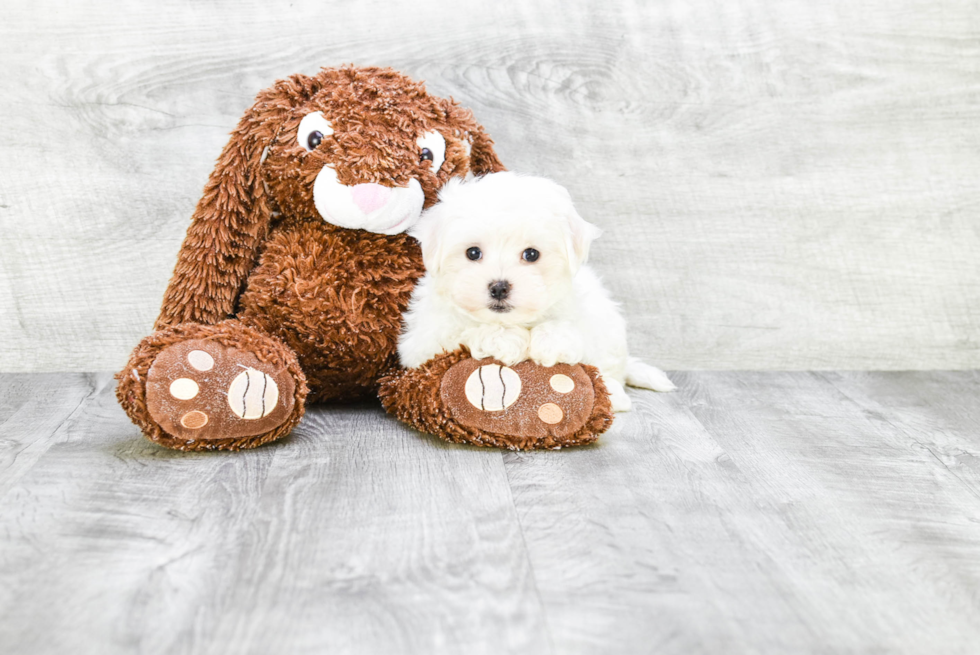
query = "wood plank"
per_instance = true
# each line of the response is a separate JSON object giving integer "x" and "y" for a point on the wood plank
{"x": 880, "y": 535}
{"x": 778, "y": 179}
{"x": 353, "y": 535}
{"x": 939, "y": 411}
{"x": 16, "y": 390}
{"x": 630, "y": 546}
{"x": 751, "y": 512}
{"x": 35, "y": 412}
{"x": 404, "y": 545}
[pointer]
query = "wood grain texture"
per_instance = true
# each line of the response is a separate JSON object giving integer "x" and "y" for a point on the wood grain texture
{"x": 763, "y": 513}
{"x": 746, "y": 513}
{"x": 785, "y": 185}
{"x": 353, "y": 535}
{"x": 35, "y": 411}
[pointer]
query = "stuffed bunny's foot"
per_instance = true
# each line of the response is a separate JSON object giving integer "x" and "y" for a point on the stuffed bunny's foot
{"x": 201, "y": 390}
{"x": 220, "y": 387}
{"x": 483, "y": 402}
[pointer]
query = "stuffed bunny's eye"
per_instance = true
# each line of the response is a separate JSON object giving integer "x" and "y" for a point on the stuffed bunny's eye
{"x": 312, "y": 130}
{"x": 432, "y": 147}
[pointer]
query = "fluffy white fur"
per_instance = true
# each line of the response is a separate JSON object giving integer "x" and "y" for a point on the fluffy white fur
{"x": 556, "y": 309}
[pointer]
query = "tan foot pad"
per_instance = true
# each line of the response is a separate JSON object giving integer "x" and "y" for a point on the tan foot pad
{"x": 200, "y": 390}
{"x": 525, "y": 400}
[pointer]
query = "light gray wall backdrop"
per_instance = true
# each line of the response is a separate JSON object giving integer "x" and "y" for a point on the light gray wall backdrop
{"x": 783, "y": 184}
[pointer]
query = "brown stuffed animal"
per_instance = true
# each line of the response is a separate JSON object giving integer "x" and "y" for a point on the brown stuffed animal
{"x": 296, "y": 268}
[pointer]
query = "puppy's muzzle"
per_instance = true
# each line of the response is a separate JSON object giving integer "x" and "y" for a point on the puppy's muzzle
{"x": 499, "y": 290}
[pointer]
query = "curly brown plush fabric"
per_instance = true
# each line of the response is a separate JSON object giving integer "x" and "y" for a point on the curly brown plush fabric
{"x": 341, "y": 319}
{"x": 264, "y": 285}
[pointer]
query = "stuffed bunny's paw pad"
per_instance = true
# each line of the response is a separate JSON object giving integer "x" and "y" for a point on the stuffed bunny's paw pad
{"x": 524, "y": 400}
{"x": 202, "y": 390}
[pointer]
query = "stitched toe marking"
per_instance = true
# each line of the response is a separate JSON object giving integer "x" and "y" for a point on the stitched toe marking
{"x": 200, "y": 360}
{"x": 253, "y": 394}
{"x": 184, "y": 388}
{"x": 194, "y": 420}
{"x": 550, "y": 413}
{"x": 493, "y": 388}
{"x": 562, "y": 383}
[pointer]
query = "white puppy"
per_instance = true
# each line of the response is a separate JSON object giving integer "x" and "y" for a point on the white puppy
{"x": 504, "y": 259}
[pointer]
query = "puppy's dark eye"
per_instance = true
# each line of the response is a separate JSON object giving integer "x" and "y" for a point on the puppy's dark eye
{"x": 530, "y": 255}
{"x": 314, "y": 139}
{"x": 474, "y": 253}
{"x": 426, "y": 155}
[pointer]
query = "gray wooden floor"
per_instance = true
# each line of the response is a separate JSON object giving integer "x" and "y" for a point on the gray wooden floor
{"x": 749, "y": 512}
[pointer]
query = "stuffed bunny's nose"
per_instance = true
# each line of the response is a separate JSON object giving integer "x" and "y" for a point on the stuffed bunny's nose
{"x": 369, "y": 197}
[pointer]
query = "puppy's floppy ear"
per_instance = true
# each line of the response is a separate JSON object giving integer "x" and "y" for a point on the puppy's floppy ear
{"x": 578, "y": 238}
{"x": 426, "y": 230}
{"x": 431, "y": 227}
{"x": 231, "y": 220}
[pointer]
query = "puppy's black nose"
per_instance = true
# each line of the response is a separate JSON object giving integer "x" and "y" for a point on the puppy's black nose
{"x": 500, "y": 289}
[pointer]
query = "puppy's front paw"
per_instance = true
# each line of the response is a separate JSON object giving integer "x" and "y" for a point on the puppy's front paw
{"x": 506, "y": 344}
{"x": 621, "y": 401}
{"x": 553, "y": 342}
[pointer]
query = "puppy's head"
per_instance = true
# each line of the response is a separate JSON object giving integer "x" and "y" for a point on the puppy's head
{"x": 504, "y": 248}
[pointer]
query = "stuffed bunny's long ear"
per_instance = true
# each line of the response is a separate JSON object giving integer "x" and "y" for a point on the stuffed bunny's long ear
{"x": 230, "y": 222}
{"x": 483, "y": 158}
